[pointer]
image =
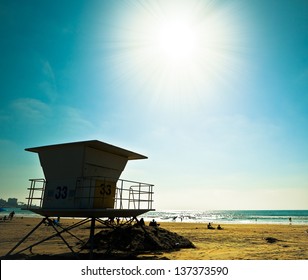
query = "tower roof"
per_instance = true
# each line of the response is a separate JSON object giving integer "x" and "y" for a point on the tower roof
{"x": 92, "y": 144}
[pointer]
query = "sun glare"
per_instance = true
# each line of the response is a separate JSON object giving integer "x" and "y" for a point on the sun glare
{"x": 176, "y": 40}
{"x": 178, "y": 50}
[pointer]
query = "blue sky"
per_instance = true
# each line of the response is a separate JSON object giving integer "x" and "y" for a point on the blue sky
{"x": 215, "y": 93}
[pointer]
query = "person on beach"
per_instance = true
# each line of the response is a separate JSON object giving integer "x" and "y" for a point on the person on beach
{"x": 219, "y": 227}
{"x": 209, "y": 226}
{"x": 290, "y": 221}
{"x": 153, "y": 223}
{"x": 141, "y": 222}
{"x": 56, "y": 222}
{"x": 11, "y": 215}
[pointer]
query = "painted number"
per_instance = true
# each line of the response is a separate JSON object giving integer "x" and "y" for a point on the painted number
{"x": 61, "y": 192}
{"x": 105, "y": 189}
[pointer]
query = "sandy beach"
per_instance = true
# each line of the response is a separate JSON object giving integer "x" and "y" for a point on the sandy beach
{"x": 234, "y": 242}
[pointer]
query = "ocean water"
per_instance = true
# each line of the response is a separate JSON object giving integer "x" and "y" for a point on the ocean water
{"x": 18, "y": 212}
{"x": 299, "y": 217}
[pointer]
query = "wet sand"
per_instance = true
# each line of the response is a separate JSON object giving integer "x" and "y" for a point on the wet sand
{"x": 234, "y": 242}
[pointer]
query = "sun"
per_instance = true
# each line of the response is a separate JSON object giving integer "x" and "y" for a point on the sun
{"x": 176, "y": 40}
{"x": 176, "y": 51}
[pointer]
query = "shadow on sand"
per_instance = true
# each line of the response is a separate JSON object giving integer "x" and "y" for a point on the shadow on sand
{"x": 119, "y": 243}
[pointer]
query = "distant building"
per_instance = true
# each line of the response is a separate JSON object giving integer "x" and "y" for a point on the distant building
{"x": 3, "y": 202}
{"x": 12, "y": 202}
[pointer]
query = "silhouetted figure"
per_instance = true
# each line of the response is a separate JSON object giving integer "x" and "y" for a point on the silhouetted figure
{"x": 141, "y": 222}
{"x": 153, "y": 223}
{"x": 209, "y": 226}
{"x": 219, "y": 227}
{"x": 11, "y": 215}
{"x": 290, "y": 221}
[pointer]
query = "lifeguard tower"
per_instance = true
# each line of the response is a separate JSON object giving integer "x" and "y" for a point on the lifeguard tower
{"x": 82, "y": 179}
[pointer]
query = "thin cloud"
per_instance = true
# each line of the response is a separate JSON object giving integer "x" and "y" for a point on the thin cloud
{"x": 48, "y": 84}
{"x": 30, "y": 109}
{"x": 74, "y": 120}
